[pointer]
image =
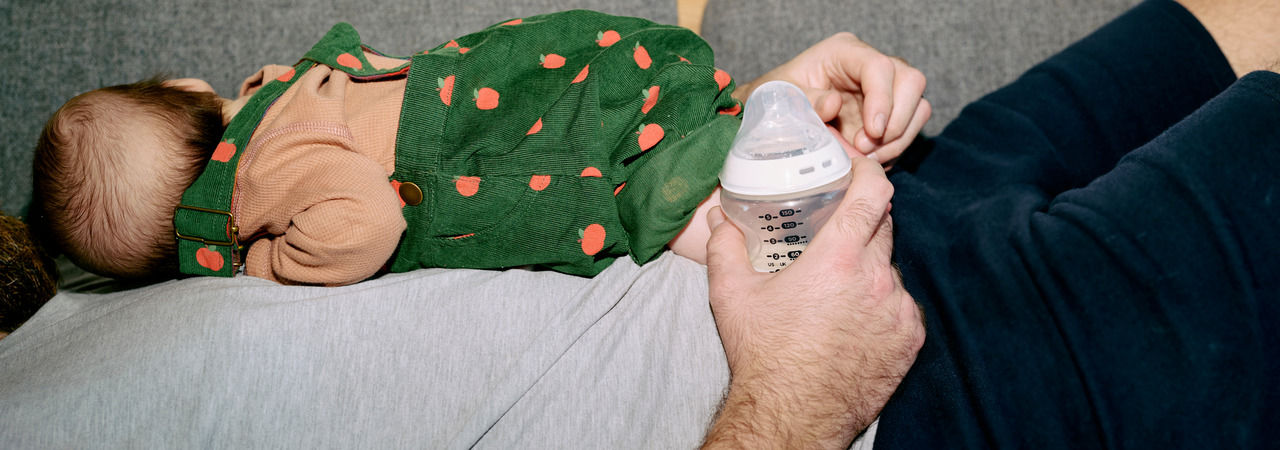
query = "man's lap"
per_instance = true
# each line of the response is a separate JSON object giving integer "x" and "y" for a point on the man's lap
{"x": 432, "y": 358}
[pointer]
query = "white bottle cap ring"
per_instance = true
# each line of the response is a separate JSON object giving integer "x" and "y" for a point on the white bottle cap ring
{"x": 782, "y": 146}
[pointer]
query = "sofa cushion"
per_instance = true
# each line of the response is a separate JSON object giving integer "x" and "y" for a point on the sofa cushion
{"x": 966, "y": 48}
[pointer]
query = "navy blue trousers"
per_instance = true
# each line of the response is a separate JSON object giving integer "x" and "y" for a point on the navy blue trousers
{"x": 1095, "y": 247}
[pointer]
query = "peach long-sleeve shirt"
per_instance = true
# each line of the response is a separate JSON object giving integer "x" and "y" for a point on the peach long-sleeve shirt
{"x": 312, "y": 186}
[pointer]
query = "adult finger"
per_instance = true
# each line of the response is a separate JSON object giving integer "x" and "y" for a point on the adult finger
{"x": 908, "y": 89}
{"x": 892, "y": 150}
{"x": 877, "y": 100}
{"x": 856, "y": 66}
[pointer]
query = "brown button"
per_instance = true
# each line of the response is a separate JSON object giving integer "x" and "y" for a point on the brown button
{"x": 410, "y": 193}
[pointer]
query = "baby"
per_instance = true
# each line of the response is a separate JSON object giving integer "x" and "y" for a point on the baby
{"x": 563, "y": 140}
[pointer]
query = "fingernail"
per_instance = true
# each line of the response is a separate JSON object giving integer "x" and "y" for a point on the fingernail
{"x": 872, "y": 156}
{"x": 880, "y": 123}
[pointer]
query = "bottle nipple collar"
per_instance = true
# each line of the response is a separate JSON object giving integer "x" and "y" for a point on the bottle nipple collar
{"x": 782, "y": 146}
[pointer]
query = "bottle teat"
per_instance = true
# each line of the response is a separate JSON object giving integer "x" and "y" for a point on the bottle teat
{"x": 782, "y": 146}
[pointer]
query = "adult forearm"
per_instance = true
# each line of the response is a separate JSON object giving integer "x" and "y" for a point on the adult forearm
{"x": 756, "y": 414}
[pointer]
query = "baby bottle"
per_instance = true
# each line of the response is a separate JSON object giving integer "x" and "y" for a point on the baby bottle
{"x": 784, "y": 176}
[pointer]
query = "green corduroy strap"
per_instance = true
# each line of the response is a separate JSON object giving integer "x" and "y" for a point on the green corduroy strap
{"x": 203, "y": 223}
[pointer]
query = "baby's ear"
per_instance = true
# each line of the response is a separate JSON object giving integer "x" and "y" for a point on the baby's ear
{"x": 190, "y": 84}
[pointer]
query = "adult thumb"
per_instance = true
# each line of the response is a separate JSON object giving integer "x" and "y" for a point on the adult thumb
{"x": 860, "y": 214}
{"x": 726, "y": 250}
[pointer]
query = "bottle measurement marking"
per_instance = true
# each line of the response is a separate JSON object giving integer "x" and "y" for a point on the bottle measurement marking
{"x": 781, "y": 214}
{"x": 789, "y": 240}
{"x": 789, "y": 255}
{"x": 785, "y": 226}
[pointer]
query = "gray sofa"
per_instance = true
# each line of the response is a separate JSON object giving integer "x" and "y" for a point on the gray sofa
{"x": 433, "y": 358}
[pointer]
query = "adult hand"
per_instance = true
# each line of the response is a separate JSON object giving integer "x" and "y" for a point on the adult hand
{"x": 816, "y": 349}
{"x": 871, "y": 100}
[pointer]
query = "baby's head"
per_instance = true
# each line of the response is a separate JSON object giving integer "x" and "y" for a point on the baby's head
{"x": 110, "y": 167}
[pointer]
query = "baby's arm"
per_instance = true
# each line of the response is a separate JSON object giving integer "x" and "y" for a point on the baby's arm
{"x": 692, "y": 241}
{"x": 322, "y": 213}
{"x": 329, "y": 215}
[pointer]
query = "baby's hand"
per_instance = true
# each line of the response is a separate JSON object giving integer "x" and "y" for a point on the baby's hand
{"x": 870, "y": 100}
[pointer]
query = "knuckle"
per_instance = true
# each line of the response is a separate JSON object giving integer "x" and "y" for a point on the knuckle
{"x": 845, "y": 36}
{"x": 915, "y": 78}
{"x": 886, "y": 187}
{"x": 872, "y": 185}
{"x": 883, "y": 62}
{"x": 918, "y": 331}
{"x": 882, "y": 283}
{"x": 880, "y": 189}
{"x": 916, "y": 325}
{"x": 914, "y": 340}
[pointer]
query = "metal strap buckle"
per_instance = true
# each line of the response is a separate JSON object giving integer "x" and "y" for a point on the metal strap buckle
{"x": 230, "y": 221}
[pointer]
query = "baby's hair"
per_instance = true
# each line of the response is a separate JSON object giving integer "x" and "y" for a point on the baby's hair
{"x": 100, "y": 200}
